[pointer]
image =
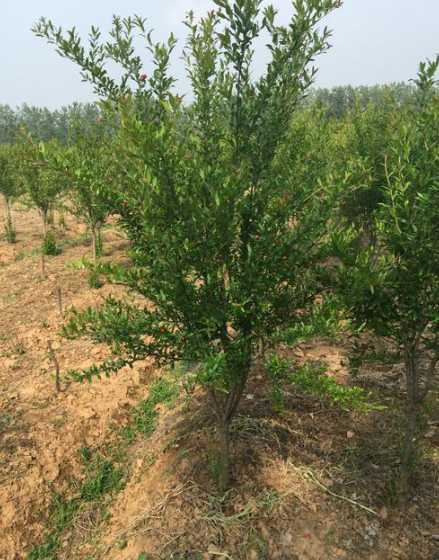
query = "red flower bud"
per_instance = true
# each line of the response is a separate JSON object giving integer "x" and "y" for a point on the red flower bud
{"x": 143, "y": 77}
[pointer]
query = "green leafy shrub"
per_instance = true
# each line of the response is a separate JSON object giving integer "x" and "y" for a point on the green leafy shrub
{"x": 50, "y": 246}
{"x": 277, "y": 369}
{"x": 392, "y": 288}
{"x": 226, "y": 244}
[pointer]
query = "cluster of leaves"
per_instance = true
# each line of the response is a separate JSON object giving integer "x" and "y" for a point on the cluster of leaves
{"x": 324, "y": 319}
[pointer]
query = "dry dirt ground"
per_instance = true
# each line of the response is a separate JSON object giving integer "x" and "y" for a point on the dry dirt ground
{"x": 312, "y": 482}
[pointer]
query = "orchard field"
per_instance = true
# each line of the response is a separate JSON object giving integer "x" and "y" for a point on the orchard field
{"x": 219, "y": 313}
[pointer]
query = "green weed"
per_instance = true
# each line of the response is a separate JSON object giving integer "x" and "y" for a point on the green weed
{"x": 94, "y": 280}
{"x": 101, "y": 478}
{"x": 29, "y": 253}
{"x": 323, "y": 320}
{"x": 50, "y": 246}
{"x": 144, "y": 415}
{"x": 311, "y": 379}
{"x": 79, "y": 264}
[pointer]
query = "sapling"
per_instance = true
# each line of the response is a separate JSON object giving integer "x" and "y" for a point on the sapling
{"x": 87, "y": 163}
{"x": 226, "y": 246}
{"x": 364, "y": 137}
{"x": 9, "y": 187}
{"x": 393, "y": 288}
{"x": 42, "y": 185}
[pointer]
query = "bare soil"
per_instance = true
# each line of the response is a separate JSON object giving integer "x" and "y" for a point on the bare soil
{"x": 312, "y": 482}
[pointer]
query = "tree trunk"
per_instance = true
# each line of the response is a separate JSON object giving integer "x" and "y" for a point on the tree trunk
{"x": 62, "y": 219}
{"x": 411, "y": 439}
{"x": 43, "y": 257}
{"x": 223, "y": 430}
{"x": 51, "y": 216}
{"x": 9, "y": 226}
{"x": 225, "y": 407}
{"x": 44, "y": 218}
{"x": 96, "y": 243}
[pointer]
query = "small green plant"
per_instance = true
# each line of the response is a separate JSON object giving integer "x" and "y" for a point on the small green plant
{"x": 277, "y": 370}
{"x": 94, "y": 276}
{"x": 311, "y": 379}
{"x": 61, "y": 515}
{"x": 79, "y": 264}
{"x": 62, "y": 512}
{"x": 50, "y": 246}
{"x": 144, "y": 415}
{"x": 45, "y": 551}
{"x": 101, "y": 477}
{"x": 94, "y": 279}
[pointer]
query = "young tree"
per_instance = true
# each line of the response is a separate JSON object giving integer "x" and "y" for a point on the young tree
{"x": 364, "y": 136}
{"x": 42, "y": 184}
{"x": 8, "y": 124}
{"x": 9, "y": 187}
{"x": 86, "y": 164}
{"x": 225, "y": 245}
{"x": 393, "y": 288}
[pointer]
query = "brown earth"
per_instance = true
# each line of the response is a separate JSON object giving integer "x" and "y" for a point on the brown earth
{"x": 311, "y": 483}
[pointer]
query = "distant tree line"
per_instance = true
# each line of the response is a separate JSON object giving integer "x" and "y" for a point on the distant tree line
{"x": 340, "y": 100}
{"x": 42, "y": 123}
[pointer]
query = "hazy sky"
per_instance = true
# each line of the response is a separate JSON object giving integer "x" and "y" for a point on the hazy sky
{"x": 374, "y": 41}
